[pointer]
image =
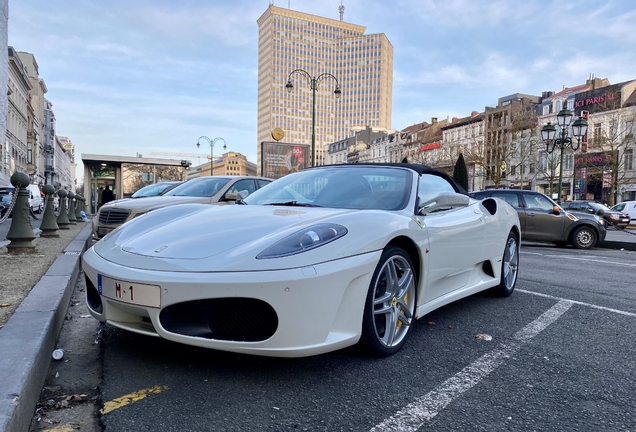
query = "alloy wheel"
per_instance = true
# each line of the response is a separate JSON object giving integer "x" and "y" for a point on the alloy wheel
{"x": 393, "y": 301}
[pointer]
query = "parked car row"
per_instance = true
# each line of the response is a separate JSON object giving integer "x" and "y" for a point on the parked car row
{"x": 612, "y": 217}
{"x": 628, "y": 207}
{"x": 340, "y": 255}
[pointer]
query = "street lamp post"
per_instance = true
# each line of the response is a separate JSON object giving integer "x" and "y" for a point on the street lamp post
{"x": 313, "y": 83}
{"x": 549, "y": 132}
{"x": 212, "y": 141}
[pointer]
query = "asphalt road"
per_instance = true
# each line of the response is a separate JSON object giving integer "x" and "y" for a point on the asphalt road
{"x": 561, "y": 358}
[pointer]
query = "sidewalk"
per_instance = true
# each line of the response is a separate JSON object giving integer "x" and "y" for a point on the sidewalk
{"x": 35, "y": 291}
{"x": 620, "y": 239}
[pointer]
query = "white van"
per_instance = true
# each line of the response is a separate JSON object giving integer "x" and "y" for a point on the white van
{"x": 628, "y": 207}
{"x": 35, "y": 198}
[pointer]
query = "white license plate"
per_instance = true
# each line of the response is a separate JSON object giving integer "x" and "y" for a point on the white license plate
{"x": 102, "y": 231}
{"x": 129, "y": 292}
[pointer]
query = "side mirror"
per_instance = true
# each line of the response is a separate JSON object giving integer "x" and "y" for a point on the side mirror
{"x": 235, "y": 196}
{"x": 230, "y": 196}
{"x": 600, "y": 212}
{"x": 444, "y": 201}
{"x": 556, "y": 210}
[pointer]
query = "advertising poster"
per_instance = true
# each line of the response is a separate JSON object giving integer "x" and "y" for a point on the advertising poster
{"x": 279, "y": 159}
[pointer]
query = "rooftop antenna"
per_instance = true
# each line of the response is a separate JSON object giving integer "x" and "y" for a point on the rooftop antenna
{"x": 341, "y": 9}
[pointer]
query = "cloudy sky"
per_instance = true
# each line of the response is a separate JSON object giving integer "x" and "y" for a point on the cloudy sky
{"x": 141, "y": 76}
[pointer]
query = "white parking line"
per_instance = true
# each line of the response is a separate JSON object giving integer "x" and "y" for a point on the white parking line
{"x": 413, "y": 416}
{"x": 589, "y": 258}
{"x": 617, "y": 311}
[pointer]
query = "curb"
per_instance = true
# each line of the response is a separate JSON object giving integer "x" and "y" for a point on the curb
{"x": 617, "y": 245}
{"x": 30, "y": 335}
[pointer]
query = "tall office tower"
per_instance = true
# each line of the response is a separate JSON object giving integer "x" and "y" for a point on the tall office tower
{"x": 363, "y": 65}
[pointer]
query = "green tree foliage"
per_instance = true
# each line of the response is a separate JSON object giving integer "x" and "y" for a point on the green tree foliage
{"x": 460, "y": 173}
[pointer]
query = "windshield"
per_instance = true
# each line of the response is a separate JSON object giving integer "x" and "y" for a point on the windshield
{"x": 199, "y": 187}
{"x": 597, "y": 206}
{"x": 382, "y": 188}
{"x": 152, "y": 190}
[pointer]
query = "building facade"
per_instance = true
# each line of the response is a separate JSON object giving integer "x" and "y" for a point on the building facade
{"x": 14, "y": 154}
{"x": 229, "y": 164}
{"x": 601, "y": 167}
{"x": 4, "y": 79}
{"x": 63, "y": 177}
{"x": 362, "y": 64}
{"x": 68, "y": 157}
{"x": 36, "y": 121}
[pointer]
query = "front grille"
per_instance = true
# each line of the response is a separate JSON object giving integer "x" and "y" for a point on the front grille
{"x": 113, "y": 216}
{"x": 230, "y": 319}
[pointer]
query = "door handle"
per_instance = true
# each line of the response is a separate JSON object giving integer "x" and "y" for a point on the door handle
{"x": 530, "y": 214}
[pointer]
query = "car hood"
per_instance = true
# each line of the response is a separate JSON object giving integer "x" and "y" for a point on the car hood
{"x": 150, "y": 203}
{"x": 228, "y": 238}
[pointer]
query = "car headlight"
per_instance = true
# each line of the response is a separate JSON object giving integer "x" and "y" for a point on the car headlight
{"x": 599, "y": 220}
{"x": 303, "y": 241}
{"x": 613, "y": 216}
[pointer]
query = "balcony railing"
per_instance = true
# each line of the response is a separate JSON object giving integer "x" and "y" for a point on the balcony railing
{"x": 48, "y": 148}
{"x": 48, "y": 168}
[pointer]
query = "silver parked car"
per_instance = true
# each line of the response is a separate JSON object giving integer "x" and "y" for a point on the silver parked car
{"x": 218, "y": 190}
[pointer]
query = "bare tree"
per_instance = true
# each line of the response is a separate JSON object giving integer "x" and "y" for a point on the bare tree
{"x": 508, "y": 142}
{"x": 136, "y": 176}
{"x": 611, "y": 132}
{"x": 548, "y": 169}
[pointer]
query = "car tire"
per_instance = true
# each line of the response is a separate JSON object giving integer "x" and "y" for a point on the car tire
{"x": 389, "y": 310}
{"x": 509, "y": 267}
{"x": 584, "y": 238}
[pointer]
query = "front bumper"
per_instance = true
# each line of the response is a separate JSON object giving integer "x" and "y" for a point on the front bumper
{"x": 318, "y": 308}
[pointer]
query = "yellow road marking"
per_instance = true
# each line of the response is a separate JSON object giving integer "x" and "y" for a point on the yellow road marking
{"x": 130, "y": 398}
{"x": 63, "y": 428}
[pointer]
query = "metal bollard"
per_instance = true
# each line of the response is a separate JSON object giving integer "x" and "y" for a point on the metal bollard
{"x": 49, "y": 225}
{"x": 21, "y": 231}
{"x": 78, "y": 206}
{"x": 71, "y": 208}
{"x": 62, "y": 218}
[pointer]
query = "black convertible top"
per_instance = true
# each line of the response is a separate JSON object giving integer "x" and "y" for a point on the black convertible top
{"x": 420, "y": 169}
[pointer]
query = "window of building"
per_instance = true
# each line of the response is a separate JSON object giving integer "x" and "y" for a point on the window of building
{"x": 597, "y": 131}
{"x": 629, "y": 159}
{"x": 613, "y": 128}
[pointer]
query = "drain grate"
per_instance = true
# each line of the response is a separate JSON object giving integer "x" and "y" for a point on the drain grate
{"x": 71, "y": 253}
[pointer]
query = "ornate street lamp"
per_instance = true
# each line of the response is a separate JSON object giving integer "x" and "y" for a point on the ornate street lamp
{"x": 313, "y": 83}
{"x": 212, "y": 149}
{"x": 552, "y": 142}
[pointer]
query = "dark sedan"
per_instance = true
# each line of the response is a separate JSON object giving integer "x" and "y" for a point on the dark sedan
{"x": 543, "y": 220}
{"x": 612, "y": 217}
